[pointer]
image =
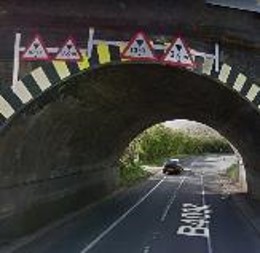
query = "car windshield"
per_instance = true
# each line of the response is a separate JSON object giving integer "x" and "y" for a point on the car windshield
{"x": 173, "y": 161}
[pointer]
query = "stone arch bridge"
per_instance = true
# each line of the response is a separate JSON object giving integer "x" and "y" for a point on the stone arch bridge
{"x": 64, "y": 124}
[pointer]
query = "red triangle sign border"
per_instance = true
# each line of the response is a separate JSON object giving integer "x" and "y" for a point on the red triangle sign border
{"x": 175, "y": 38}
{"x": 146, "y": 38}
{"x": 70, "y": 38}
{"x": 36, "y": 37}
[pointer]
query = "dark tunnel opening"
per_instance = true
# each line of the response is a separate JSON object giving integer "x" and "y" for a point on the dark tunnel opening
{"x": 71, "y": 146}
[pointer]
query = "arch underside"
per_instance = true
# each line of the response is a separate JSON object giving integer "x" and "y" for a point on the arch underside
{"x": 93, "y": 116}
{"x": 65, "y": 145}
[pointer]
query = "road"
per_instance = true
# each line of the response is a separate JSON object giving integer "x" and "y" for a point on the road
{"x": 186, "y": 214}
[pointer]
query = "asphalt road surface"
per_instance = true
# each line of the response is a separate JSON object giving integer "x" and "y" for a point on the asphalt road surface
{"x": 183, "y": 214}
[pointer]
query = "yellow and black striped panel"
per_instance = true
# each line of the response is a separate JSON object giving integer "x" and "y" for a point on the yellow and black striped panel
{"x": 207, "y": 66}
{"x": 101, "y": 54}
{"x": 224, "y": 73}
{"x": 62, "y": 69}
{"x": 32, "y": 86}
{"x": 9, "y": 103}
{"x": 6, "y": 109}
{"x": 104, "y": 54}
{"x": 233, "y": 78}
{"x": 22, "y": 92}
{"x": 54, "y": 73}
{"x": 253, "y": 93}
{"x": 51, "y": 74}
{"x": 256, "y": 100}
{"x": 84, "y": 63}
{"x": 240, "y": 83}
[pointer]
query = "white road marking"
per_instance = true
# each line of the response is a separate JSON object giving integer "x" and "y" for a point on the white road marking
{"x": 172, "y": 199}
{"x": 204, "y": 204}
{"x": 146, "y": 249}
{"x": 119, "y": 220}
{"x": 195, "y": 220}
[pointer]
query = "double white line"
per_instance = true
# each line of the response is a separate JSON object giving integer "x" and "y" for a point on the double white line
{"x": 209, "y": 244}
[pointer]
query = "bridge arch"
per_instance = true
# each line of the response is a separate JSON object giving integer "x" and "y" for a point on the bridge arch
{"x": 56, "y": 79}
{"x": 52, "y": 74}
{"x": 65, "y": 137}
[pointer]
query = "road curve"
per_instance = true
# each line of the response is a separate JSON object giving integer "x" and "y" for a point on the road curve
{"x": 186, "y": 213}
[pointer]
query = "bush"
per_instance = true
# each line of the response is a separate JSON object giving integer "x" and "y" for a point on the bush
{"x": 159, "y": 142}
{"x": 131, "y": 174}
{"x": 130, "y": 169}
{"x": 233, "y": 172}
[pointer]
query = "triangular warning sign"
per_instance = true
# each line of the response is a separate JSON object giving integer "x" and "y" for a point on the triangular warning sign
{"x": 139, "y": 48}
{"x": 178, "y": 54}
{"x": 69, "y": 52}
{"x": 36, "y": 51}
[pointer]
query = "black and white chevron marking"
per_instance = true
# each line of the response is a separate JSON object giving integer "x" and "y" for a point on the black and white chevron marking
{"x": 54, "y": 73}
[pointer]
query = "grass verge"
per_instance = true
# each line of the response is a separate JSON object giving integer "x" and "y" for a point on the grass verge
{"x": 233, "y": 172}
{"x": 132, "y": 173}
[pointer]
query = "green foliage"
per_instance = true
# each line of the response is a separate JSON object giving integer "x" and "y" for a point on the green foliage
{"x": 159, "y": 142}
{"x": 131, "y": 173}
{"x": 233, "y": 172}
{"x": 131, "y": 170}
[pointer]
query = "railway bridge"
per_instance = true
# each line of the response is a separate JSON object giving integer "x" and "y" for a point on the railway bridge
{"x": 79, "y": 80}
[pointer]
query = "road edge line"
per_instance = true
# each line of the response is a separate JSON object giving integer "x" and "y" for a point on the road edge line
{"x": 120, "y": 219}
